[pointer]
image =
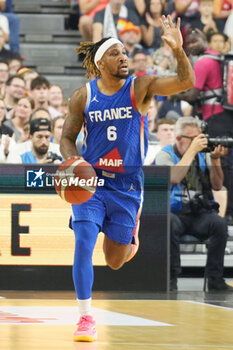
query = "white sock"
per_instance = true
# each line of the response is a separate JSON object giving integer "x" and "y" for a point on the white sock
{"x": 84, "y": 307}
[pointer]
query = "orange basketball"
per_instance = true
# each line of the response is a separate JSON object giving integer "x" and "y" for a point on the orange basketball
{"x": 75, "y": 181}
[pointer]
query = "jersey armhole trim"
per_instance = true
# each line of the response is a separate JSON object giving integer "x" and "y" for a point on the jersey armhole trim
{"x": 132, "y": 95}
{"x": 88, "y": 87}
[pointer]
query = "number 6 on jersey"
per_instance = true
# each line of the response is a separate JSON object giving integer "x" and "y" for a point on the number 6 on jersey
{"x": 111, "y": 133}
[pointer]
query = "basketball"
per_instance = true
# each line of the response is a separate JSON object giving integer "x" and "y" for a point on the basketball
{"x": 75, "y": 181}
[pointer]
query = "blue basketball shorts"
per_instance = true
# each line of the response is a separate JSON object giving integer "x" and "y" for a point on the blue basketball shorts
{"x": 114, "y": 207}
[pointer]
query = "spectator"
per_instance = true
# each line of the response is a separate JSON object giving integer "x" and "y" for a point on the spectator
{"x": 26, "y": 146}
{"x": 139, "y": 63}
{"x": 88, "y": 10}
{"x": 165, "y": 135}
{"x": 15, "y": 89}
{"x": 130, "y": 36}
{"x": 174, "y": 108}
{"x": 65, "y": 107}
{"x": 216, "y": 41}
{"x": 138, "y": 6}
{"x": 6, "y": 54}
{"x": 28, "y": 75}
{"x": 8, "y": 149}
{"x": 140, "y": 68}
{"x": 55, "y": 99}
{"x": 222, "y": 10}
{"x": 164, "y": 60}
{"x": 14, "y": 65}
{"x": 227, "y": 46}
{"x": 152, "y": 139}
{"x": 4, "y": 129}
{"x": 205, "y": 20}
{"x": 220, "y": 121}
{"x": 4, "y": 25}
{"x": 57, "y": 125}
{"x": 4, "y": 75}
{"x": 151, "y": 28}
{"x": 152, "y": 116}
{"x": 165, "y": 132}
{"x": 40, "y": 134}
{"x": 41, "y": 113}
{"x": 194, "y": 174}
{"x": 14, "y": 24}
{"x": 228, "y": 28}
{"x": 208, "y": 86}
{"x": 187, "y": 10}
{"x": 25, "y": 133}
{"x": 21, "y": 115}
{"x": 111, "y": 20}
{"x": 40, "y": 92}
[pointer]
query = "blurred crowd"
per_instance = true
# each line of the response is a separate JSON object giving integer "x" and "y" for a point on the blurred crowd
{"x": 32, "y": 110}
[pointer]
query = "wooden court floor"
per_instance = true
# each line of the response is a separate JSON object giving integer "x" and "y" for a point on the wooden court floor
{"x": 47, "y": 321}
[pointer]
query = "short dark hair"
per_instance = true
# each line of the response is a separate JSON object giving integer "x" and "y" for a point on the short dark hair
{"x": 139, "y": 51}
{"x": 197, "y": 32}
{"x": 39, "y": 81}
{"x": 162, "y": 121}
{"x": 210, "y": 34}
{"x": 9, "y": 81}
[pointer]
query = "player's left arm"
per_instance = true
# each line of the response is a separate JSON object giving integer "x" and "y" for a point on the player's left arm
{"x": 148, "y": 85}
{"x": 73, "y": 124}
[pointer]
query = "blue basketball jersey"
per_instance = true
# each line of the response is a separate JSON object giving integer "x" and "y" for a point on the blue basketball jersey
{"x": 115, "y": 133}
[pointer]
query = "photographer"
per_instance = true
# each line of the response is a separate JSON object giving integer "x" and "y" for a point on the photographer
{"x": 40, "y": 135}
{"x": 207, "y": 96}
{"x": 193, "y": 210}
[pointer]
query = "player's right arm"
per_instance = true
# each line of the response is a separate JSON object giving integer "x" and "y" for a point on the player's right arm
{"x": 2, "y": 5}
{"x": 73, "y": 123}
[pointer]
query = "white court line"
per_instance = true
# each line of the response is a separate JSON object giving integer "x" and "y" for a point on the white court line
{"x": 67, "y": 315}
{"x": 207, "y": 304}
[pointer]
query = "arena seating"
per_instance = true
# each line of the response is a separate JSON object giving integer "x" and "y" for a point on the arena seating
{"x": 46, "y": 45}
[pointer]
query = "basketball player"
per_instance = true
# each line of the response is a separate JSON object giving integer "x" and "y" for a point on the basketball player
{"x": 112, "y": 109}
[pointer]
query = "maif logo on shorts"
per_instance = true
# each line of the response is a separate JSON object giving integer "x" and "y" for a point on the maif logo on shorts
{"x": 35, "y": 178}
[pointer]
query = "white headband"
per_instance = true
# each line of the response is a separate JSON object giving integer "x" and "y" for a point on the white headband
{"x": 104, "y": 47}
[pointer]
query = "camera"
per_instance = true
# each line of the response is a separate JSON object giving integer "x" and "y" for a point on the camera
{"x": 54, "y": 157}
{"x": 199, "y": 202}
{"x": 224, "y": 141}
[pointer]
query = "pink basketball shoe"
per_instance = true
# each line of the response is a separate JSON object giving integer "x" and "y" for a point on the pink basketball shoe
{"x": 86, "y": 330}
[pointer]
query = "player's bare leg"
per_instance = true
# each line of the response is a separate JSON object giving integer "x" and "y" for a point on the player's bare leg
{"x": 116, "y": 254}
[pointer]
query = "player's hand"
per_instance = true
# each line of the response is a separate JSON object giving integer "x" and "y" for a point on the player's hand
{"x": 218, "y": 152}
{"x": 199, "y": 143}
{"x": 171, "y": 32}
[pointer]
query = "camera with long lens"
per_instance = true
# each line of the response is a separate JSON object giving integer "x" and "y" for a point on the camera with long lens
{"x": 213, "y": 142}
{"x": 199, "y": 202}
